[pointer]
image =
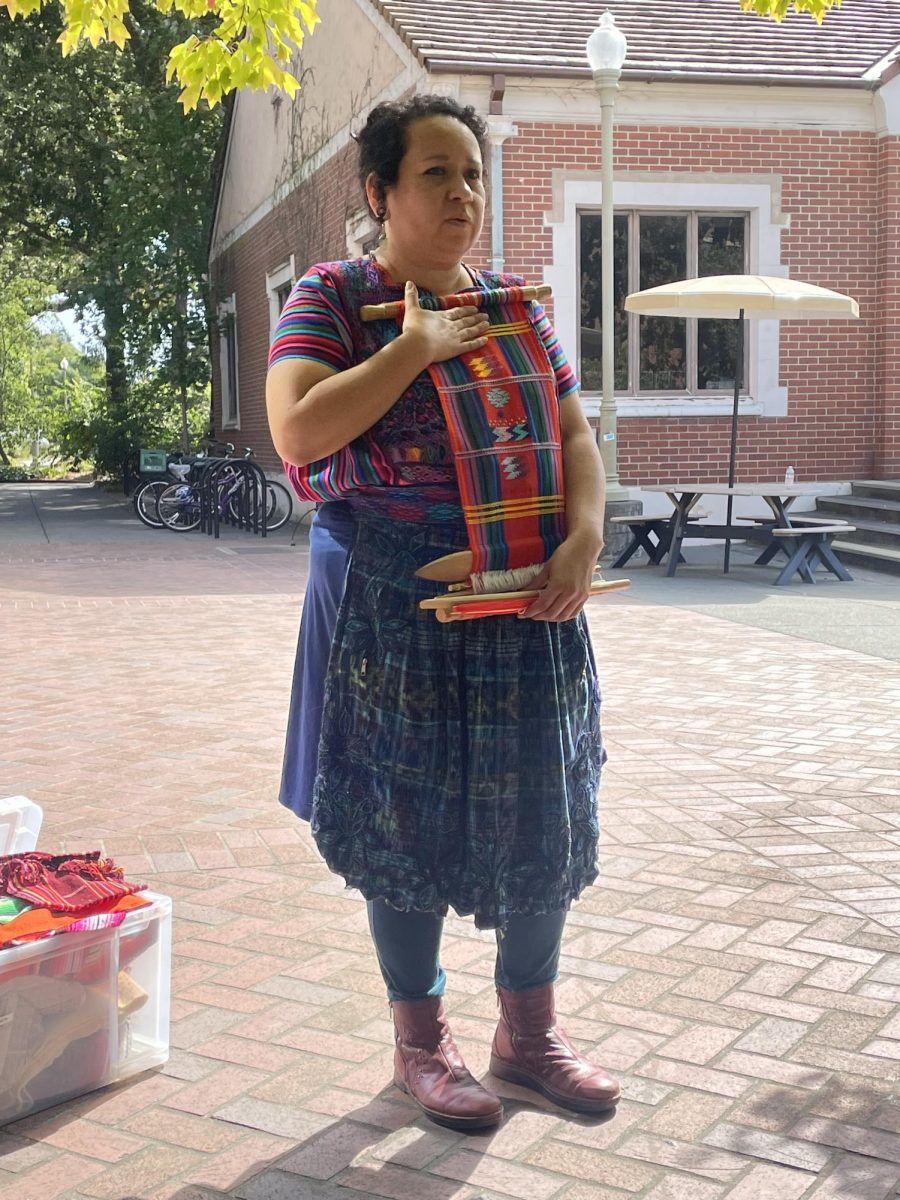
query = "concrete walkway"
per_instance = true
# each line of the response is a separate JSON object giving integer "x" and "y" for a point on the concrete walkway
{"x": 738, "y": 962}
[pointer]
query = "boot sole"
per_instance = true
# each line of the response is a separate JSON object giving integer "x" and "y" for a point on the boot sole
{"x": 460, "y": 1124}
{"x": 525, "y": 1079}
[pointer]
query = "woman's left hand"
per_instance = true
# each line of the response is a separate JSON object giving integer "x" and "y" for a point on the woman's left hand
{"x": 565, "y": 581}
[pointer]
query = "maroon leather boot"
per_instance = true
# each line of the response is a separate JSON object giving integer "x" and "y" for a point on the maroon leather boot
{"x": 529, "y": 1050}
{"x": 429, "y": 1066}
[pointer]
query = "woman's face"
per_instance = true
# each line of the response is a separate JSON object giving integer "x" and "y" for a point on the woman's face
{"x": 436, "y": 208}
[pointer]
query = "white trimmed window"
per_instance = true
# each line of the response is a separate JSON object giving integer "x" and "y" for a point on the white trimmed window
{"x": 657, "y": 356}
{"x": 228, "y": 364}
{"x": 667, "y": 227}
{"x": 362, "y": 232}
{"x": 278, "y": 287}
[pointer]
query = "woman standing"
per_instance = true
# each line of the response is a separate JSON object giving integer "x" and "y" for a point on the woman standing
{"x": 441, "y": 765}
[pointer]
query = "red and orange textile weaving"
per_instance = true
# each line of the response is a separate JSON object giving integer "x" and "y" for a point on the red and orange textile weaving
{"x": 502, "y": 414}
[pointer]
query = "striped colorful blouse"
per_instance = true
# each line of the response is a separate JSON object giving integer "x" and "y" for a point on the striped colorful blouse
{"x": 408, "y": 446}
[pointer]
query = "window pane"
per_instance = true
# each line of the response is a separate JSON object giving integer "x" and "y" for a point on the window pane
{"x": 720, "y": 245}
{"x": 663, "y": 350}
{"x": 717, "y": 345}
{"x": 663, "y": 250}
{"x": 720, "y": 250}
{"x": 231, "y": 359}
{"x": 663, "y": 339}
{"x": 591, "y": 299}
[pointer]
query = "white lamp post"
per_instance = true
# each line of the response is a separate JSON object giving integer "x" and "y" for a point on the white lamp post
{"x": 606, "y": 49}
{"x": 64, "y": 364}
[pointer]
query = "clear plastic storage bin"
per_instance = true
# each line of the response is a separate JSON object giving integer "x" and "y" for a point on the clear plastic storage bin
{"x": 20, "y": 824}
{"x": 80, "y": 1010}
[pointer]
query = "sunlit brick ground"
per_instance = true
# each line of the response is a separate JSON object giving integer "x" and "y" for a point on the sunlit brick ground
{"x": 738, "y": 963}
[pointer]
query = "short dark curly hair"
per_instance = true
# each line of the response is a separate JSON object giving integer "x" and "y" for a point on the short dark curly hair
{"x": 382, "y": 140}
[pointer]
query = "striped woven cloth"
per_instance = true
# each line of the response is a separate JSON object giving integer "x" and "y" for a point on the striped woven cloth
{"x": 69, "y": 883}
{"x": 502, "y": 411}
{"x": 408, "y": 447}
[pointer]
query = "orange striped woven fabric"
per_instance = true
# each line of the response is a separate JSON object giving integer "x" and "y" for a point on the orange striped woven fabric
{"x": 502, "y": 412}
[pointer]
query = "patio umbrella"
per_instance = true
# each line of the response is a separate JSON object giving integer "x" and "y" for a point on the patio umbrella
{"x": 741, "y": 297}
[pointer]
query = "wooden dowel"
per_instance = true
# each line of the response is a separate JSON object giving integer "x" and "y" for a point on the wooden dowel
{"x": 380, "y": 312}
{"x": 438, "y": 603}
{"x": 506, "y": 605}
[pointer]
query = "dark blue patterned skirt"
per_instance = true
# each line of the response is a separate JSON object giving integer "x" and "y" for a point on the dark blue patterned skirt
{"x": 458, "y": 764}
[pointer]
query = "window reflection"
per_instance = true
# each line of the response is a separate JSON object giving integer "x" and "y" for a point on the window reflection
{"x": 671, "y": 354}
{"x": 591, "y": 302}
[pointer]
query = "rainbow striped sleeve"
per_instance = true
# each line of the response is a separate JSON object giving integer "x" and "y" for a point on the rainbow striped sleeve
{"x": 312, "y": 324}
{"x": 566, "y": 379}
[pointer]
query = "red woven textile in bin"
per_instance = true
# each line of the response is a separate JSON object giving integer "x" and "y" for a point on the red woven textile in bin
{"x": 67, "y": 883}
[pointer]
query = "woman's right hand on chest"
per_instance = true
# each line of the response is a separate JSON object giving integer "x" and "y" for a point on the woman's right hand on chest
{"x": 443, "y": 334}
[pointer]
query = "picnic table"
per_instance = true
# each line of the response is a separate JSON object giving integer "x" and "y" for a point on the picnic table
{"x": 805, "y": 540}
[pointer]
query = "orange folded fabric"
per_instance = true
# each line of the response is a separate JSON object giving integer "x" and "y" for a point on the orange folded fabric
{"x": 38, "y": 922}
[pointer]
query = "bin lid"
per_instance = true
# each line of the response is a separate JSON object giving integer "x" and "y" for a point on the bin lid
{"x": 20, "y": 824}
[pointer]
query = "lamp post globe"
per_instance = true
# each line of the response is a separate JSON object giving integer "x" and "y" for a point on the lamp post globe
{"x": 606, "y": 47}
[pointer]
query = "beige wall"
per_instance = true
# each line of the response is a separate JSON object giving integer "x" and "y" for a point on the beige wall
{"x": 272, "y": 136}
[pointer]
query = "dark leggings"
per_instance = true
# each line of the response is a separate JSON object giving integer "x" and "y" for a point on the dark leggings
{"x": 408, "y": 947}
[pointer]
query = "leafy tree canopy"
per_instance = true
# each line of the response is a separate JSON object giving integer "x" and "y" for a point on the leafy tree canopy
{"x": 232, "y": 43}
{"x": 109, "y": 182}
{"x": 48, "y": 389}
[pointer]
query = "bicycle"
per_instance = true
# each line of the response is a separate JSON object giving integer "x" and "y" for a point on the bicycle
{"x": 178, "y": 505}
{"x": 279, "y": 505}
{"x": 146, "y": 497}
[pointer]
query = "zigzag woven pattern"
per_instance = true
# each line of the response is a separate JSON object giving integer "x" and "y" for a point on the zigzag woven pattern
{"x": 502, "y": 413}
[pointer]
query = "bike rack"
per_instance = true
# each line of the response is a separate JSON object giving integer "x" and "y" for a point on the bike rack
{"x": 250, "y": 502}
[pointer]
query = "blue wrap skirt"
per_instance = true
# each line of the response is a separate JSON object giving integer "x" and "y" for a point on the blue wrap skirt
{"x": 441, "y": 765}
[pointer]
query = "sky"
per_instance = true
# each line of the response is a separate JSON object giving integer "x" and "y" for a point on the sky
{"x": 70, "y": 326}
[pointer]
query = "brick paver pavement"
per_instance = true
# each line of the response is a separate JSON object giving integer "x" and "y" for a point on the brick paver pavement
{"x": 738, "y": 962}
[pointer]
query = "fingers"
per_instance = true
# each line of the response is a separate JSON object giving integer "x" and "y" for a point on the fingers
{"x": 456, "y": 331}
{"x": 554, "y": 605}
{"x": 474, "y": 335}
{"x": 475, "y": 319}
{"x": 542, "y": 579}
{"x": 475, "y": 328}
{"x": 466, "y": 314}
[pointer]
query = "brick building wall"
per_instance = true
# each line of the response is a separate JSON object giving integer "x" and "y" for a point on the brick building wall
{"x": 311, "y": 225}
{"x": 841, "y": 194}
{"x": 830, "y": 196}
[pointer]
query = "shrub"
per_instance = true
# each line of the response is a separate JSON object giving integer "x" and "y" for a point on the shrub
{"x": 13, "y": 474}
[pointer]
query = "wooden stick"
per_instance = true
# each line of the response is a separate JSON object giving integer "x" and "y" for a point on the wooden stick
{"x": 380, "y": 312}
{"x": 460, "y": 608}
{"x": 450, "y": 568}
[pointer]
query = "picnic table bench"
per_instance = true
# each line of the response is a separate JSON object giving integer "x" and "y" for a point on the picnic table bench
{"x": 804, "y": 540}
{"x": 651, "y": 534}
{"x": 810, "y": 545}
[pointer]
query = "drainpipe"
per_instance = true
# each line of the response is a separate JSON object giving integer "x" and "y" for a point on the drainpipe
{"x": 499, "y": 129}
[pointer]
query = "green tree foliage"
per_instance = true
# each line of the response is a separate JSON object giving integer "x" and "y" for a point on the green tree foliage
{"x": 224, "y": 44}
{"x": 48, "y": 389}
{"x": 102, "y": 174}
{"x": 21, "y": 297}
{"x": 779, "y": 9}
